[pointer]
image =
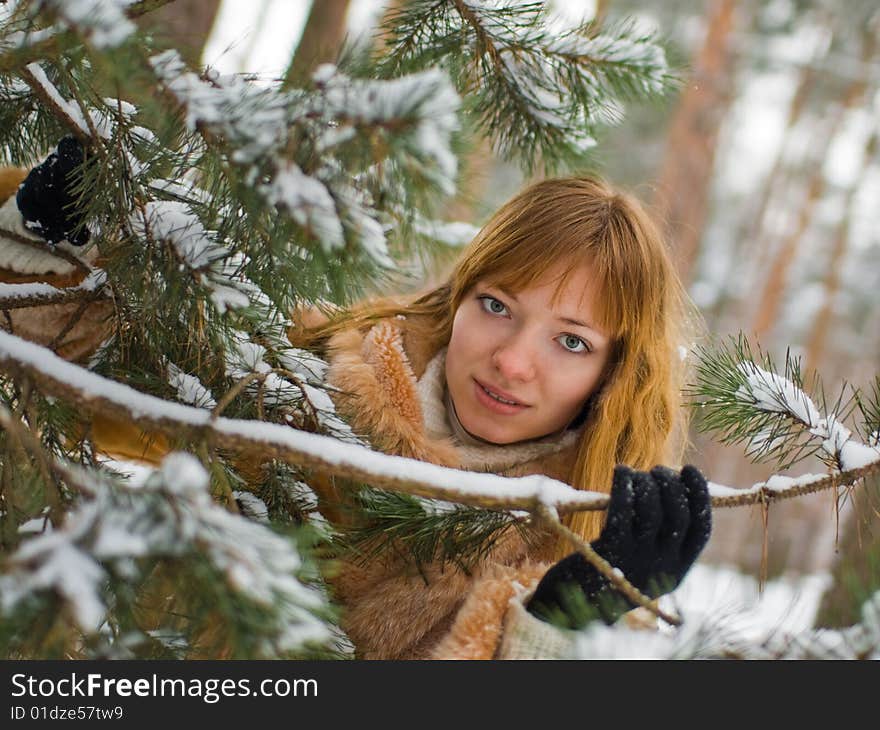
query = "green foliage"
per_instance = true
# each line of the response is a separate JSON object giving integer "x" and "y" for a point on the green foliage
{"x": 538, "y": 93}
{"x": 423, "y": 530}
{"x": 869, "y": 407}
{"x": 739, "y": 395}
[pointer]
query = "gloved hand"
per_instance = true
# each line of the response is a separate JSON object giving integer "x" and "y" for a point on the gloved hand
{"x": 45, "y": 198}
{"x": 658, "y": 523}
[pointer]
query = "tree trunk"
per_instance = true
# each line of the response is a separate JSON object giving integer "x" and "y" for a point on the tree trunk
{"x": 684, "y": 181}
{"x": 185, "y": 24}
{"x": 321, "y": 39}
{"x": 775, "y": 285}
{"x": 822, "y": 325}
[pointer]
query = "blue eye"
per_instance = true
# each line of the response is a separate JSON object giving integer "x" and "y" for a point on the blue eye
{"x": 573, "y": 344}
{"x": 492, "y": 305}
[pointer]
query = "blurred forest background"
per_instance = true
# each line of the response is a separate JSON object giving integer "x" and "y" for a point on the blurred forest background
{"x": 764, "y": 166}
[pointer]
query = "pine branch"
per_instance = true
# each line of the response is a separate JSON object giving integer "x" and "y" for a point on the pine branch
{"x": 869, "y": 407}
{"x": 741, "y": 397}
{"x": 48, "y": 45}
{"x": 18, "y": 296}
{"x": 94, "y": 394}
{"x": 538, "y": 95}
{"x": 426, "y": 530}
{"x": 116, "y": 533}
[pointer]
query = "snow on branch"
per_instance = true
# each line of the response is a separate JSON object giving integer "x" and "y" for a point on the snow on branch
{"x": 104, "y": 22}
{"x": 69, "y": 112}
{"x": 189, "y": 388}
{"x": 741, "y": 395}
{"x": 95, "y": 394}
{"x": 418, "y": 110}
{"x": 718, "y": 638}
{"x": 37, "y": 294}
{"x": 308, "y": 201}
{"x": 171, "y": 515}
{"x": 252, "y": 118}
{"x": 535, "y": 90}
{"x": 173, "y": 222}
{"x": 538, "y": 494}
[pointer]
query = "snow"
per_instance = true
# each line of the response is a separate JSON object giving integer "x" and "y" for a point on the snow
{"x": 426, "y": 99}
{"x": 779, "y": 483}
{"x": 326, "y": 449}
{"x": 252, "y": 506}
{"x": 838, "y": 443}
{"x": 103, "y": 21}
{"x": 303, "y": 363}
{"x": 723, "y": 611}
{"x": 854, "y": 455}
{"x": 171, "y": 514}
{"x": 449, "y": 233}
{"x": 71, "y": 109}
{"x": 189, "y": 388}
{"x": 173, "y": 222}
{"x": 95, "y": 279}
{"x": 776, "y": 394}
{"x": 308, "y": 201}
{"x": 253, "y": 119}
{"x": 184, "y": 473}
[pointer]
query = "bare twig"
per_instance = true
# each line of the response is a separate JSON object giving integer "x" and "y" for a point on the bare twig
{"x": 615, "y": 577}
{"x": 231, "y": 394}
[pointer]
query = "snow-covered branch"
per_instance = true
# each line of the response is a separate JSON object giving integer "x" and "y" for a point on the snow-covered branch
{"x": 18, "y": 296}
{"x": 95, "y": 394}
{"x": 171, "y": 516}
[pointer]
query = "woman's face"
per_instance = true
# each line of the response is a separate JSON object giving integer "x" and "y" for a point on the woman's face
{"x": 519, "y": 368}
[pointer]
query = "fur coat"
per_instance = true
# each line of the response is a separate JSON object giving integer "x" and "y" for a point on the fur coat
{"x": 391, "y": 389}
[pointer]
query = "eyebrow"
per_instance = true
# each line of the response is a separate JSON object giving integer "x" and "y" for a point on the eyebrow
{"x": 567, "y": 320}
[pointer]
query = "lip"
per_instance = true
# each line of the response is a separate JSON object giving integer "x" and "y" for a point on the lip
{"x": 493, "y": 405}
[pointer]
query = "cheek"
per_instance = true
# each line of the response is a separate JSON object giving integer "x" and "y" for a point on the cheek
{"x": 572, "y": 387}
{"x": 457, "y": 351}
{"x": 469, "y": 333}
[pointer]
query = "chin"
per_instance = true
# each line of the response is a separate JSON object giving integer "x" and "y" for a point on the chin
{"x": 502, "y": 437}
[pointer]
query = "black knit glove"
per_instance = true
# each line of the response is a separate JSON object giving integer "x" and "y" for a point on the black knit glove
{"x": 657, "y": 525}
{"x": 46, "y": 200}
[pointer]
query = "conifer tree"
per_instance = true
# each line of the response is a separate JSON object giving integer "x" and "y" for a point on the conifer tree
{"x": 213, "y": 207}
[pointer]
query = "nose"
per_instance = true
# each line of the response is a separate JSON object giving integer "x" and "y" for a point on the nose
{"x": 514, "y": 360}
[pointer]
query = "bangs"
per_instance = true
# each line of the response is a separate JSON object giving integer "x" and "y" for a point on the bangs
{"x": 554, "y": 262}
{"x": 556, "y": 227}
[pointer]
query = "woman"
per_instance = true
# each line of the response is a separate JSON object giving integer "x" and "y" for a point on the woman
{"x": 552, "y": 349}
